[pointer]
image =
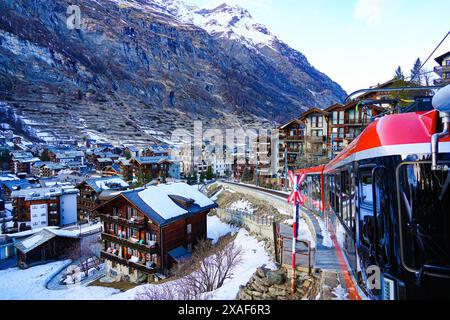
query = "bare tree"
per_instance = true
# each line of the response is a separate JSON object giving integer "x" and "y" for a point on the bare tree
{"x": 207, "y": 270}
{"x": 86, "y": 253}
{"x": 427, "y": 76}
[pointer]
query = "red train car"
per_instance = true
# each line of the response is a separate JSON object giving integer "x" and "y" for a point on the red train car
{"x": 387, "y": 199}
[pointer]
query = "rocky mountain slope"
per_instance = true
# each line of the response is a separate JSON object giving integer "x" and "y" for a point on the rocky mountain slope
{"x": 140, "y": 68}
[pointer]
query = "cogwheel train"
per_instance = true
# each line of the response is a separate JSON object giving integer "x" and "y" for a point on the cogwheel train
{"x": 387, "y": 199}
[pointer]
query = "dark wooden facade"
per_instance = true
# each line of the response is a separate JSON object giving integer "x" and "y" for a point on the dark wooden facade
{"x": 130, "y": 232}
{"x": 52, "y": 250}
{"x": 87, "y": 200}
{"x": 143, "y": 168}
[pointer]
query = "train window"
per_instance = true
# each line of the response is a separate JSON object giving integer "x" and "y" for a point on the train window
{"x": 381, "y": 205}
{"x": 366, "y": 192}
{"x": 366, "y": 224}
{"x": 337, "y": 194}
{"x": 346, "y": 199}
{"x": 424, "y": 199}
{"x": 331, "y": 192}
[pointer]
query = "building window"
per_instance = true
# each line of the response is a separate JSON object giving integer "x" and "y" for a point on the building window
{"x": 351, "y": 116}
{"x": 317, "y": 133}
{"x": 189, "y": 229}
{"x": 447, "y": 63}
{"x": 319, "y": 122}
{"x": 293, "y": 133}
{"x": 341, "y": 117}
{"x": 335, "y": 117}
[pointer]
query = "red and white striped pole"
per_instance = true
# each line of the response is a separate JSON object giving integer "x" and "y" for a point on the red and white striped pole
{"x": 296, "y": 198}
{"x": 294, "y": 249}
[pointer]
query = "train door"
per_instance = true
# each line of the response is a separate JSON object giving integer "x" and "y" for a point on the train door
{"x": 373, "y": 212}
{"x": 347, "y": 215}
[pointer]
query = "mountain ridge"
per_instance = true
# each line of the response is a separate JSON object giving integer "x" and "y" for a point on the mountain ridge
{"x": 160, "y": 68}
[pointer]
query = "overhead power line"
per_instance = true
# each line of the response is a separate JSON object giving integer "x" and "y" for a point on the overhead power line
{"x": 429, "y": 57}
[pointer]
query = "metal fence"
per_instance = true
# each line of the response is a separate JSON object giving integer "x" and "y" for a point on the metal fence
{"x": 240, "y": 218}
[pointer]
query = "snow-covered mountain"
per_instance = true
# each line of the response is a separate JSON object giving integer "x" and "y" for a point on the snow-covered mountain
{"x": 227, "y": 21}
{"x": 142, "y": 65}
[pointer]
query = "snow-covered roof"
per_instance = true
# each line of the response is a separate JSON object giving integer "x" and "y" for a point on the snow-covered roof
{"x": 42, "y": 236}
{"x": 107, "y": 183}
{"x": 8, "y": 177}
{"x": 158, "y": 198}
{"x": 152, "y": 160}
{"x": 161, "y": 205}
{"x": 44, "y": 192}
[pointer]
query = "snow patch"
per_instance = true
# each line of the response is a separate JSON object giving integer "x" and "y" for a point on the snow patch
{"x": 32, "y": 241}
{"x": 340, "y": 293}
{"x": 304, "y": 233}
{"x": 327, "y": 242}
{"x": 242, "y": 206}
{"x": 218, "y": 229}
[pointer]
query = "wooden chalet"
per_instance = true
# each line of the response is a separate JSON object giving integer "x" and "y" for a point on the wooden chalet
{"x": 94, "y": 191}
{"x": 121, "y": 168}
{"x": 292, "y": 139}
{"x": 148, "y": 231}
{"x": 150, "y": 166}
{"x": 45, "y": 246}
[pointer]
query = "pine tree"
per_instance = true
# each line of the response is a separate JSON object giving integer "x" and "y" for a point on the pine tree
{"x": 209, "y": 173}
{"x": 399, "y": 74}
{"x": 127, "y": 154}
{"x": 45, "y": 156}
{"x": 247, "y": 175}
{"x": 416, "y": 77}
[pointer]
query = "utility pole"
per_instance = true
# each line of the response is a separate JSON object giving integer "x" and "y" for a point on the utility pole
{"x": 256, "y": 172}
{"x": 286, "y": 168}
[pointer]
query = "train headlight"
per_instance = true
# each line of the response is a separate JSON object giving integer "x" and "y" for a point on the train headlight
{"x": 441, "y": 100}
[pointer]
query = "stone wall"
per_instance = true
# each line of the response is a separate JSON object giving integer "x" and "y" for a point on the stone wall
{"x": 266, "y": 284}
{"x": 120, "y": 272}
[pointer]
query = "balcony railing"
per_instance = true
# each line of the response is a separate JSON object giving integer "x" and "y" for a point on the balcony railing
{"x": 316, "y": 139}
{"x": 122, "y": 261}
{"x": 151, "y": 249}
{"x": 439, "y": 82}
{"x": 354, "y": 121}
{"x": 294, "y": 138}
{"x": 350, "y": 136}
{"x": 135, "y": 222}
{"x": 441, "y": 69}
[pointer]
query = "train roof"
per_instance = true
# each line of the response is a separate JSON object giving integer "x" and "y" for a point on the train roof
{"x": 399, "y": 134}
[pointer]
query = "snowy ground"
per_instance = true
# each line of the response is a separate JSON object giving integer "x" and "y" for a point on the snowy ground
{"x": 217, "y": 228}
{"x": 304, "y": 233}
{"x": 30, "y": 284}
{"x": 327, "y": 242}
{"x": 242, "y": 206}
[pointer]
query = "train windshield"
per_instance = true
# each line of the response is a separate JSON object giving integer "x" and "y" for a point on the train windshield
{"x": 424, "y": 198}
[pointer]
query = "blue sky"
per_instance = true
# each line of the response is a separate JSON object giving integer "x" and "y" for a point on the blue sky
{"x": 358, "y": 43}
